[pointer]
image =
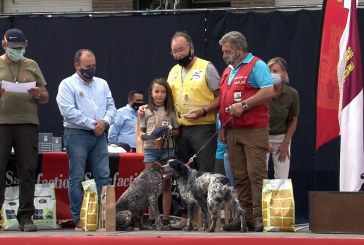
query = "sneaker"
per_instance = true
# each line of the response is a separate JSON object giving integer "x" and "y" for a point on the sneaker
{"x": 78, "y": 226}
{"x": 233, "y": 226}
{"x": 179, "y": 225}
{"x": 150, "y": 223}
{"x": 26, "y": 224}
{"x": 166, "y": 225}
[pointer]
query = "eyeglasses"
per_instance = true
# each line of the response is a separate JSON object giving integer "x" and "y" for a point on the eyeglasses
{"x": 179, "y": 50}
{"x": 138, "y": 100}
{"x": 231, "y": 52}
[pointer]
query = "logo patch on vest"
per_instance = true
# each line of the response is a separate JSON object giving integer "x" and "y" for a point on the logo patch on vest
{"x": 237, "y": 96}
{"x": 196, "y": 75}
{"x": 174, "y": 77}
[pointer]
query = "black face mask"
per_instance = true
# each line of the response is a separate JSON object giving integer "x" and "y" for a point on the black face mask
{"x": 185, "y": 60}
{"x": 136, "y": 105}
{"x": 88, "y": 74}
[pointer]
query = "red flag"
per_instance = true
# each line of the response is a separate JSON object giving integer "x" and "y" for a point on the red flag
{"x": 340, "y": 90}
{"x": 328, "y": 95}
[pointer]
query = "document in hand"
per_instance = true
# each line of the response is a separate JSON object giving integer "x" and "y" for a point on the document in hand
{"x": 17, "y": 87}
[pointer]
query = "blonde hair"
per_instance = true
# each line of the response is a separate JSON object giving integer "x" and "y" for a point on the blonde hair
{"x": 282, "y": 64}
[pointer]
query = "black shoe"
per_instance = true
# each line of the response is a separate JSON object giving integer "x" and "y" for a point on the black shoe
{"x": 233, "y": 226}
{"x": 150, "y": 223}
{"x": 259, "y": 226}
{"x": 166, "y": 225}
{"x": 26, "y": 224}
{"x": 250, "y": 226}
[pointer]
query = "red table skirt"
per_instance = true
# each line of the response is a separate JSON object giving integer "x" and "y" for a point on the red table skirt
{"x": 53, "y": 168}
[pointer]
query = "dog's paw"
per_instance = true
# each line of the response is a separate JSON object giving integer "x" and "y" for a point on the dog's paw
{"x": 244, "y": 228}
{"x": 127, "y": 228}
{"x": 145, "y": 228}
{"x": 188, "y": 228}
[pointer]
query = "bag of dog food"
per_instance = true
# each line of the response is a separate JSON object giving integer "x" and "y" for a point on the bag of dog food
{"x": 89, "y": 209}
{"x": 107, "y": 217}
{"x": 44, "y": 202}
{"x": 45, "y": 206}
{"x": 278, "y": 205}
{"x": 10, "y": 208}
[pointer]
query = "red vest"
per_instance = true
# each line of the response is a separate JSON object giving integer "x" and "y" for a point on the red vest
{"x": 239, "y": 90}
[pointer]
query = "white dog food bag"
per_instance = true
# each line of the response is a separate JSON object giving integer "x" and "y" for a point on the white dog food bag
{"x": 44, "y": 202}
{"x": 10, "y": 208}
{"x": 45, "y": 206}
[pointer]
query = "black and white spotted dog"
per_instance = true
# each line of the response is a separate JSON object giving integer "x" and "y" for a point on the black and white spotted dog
{"x": 207, "y": 191}
{"x": 143, "y": 191}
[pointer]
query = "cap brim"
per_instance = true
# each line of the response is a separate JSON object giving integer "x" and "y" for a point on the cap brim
{"x": 17, "y": 44}
{"x": 150, "y": 137}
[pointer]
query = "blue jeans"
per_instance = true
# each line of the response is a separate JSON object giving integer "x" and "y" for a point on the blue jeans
{"x": 83, "y": 145}
{"x": 154, "y": 155}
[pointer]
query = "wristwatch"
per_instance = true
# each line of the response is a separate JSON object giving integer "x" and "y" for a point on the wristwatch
{"x": 245, "y": 106}
{"x": 107, "y": 125}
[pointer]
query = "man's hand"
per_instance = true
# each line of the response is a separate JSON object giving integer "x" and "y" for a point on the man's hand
{"x": 222, "y": 135}
{"x": 34, "y": 92}
{"x": 235, "y": 109}
{"x": 100, "y": 127}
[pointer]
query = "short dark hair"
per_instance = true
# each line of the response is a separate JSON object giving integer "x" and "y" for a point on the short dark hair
{"x": 78, "y": 54}
{"x": 133, "y": 92}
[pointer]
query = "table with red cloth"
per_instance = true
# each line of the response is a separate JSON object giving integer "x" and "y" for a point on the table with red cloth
{"x": 53, "y": 168}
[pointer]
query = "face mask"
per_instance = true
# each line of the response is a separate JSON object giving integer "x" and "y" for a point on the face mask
{"x": 229, "y": 59}
{"x": 276, "y": 78}
{"x": 88, "y": 74}
{"x": 15, "y": 54}
{"x": 185, "y": 60}
{"x": 136, "y": 105}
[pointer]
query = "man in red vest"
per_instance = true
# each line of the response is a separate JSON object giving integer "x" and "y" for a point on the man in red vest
{"x": 245, "y": 86}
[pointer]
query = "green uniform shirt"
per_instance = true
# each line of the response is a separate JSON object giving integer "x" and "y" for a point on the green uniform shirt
{"x": 282, "y": 109}
{"x": 20, "y": 108}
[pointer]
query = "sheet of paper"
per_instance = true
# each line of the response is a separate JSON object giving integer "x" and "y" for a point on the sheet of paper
{"x": 17, "y": 87}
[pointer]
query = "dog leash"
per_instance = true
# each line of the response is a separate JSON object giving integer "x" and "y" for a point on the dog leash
{"x": 195, "y": 155}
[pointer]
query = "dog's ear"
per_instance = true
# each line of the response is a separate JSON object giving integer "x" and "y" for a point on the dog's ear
{"x": 181, "y": 167}
{"x": 184, "y": 169}
{"x": 164, "y": 161}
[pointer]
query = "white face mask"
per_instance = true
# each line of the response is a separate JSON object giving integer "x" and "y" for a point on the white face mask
{"x": 15, "y": 54}
{"x": 276, "y": 78}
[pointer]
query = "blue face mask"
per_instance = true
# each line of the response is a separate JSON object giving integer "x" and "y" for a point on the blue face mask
{"x": 276, "y": 78}
{"x": 15, "y": 54}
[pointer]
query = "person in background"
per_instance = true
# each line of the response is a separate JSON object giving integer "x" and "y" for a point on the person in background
{"x": 159, "y": 114}
{"x": 122, "y": 131}
{"x": 283, "y": 110}
{"x": 87, "y": 107}
{"x": 221, "y": 149}
{"x": 19, "y": 122}
{"x": 246, "y": 87}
